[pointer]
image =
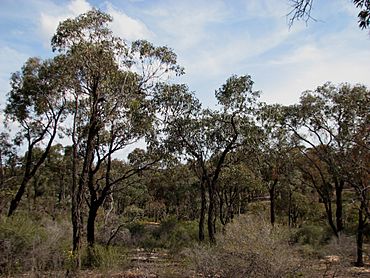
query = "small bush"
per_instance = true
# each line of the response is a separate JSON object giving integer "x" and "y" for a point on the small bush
{"x": 137, "y": 229}
{"x": 104, "y": 257}
{"x": 18, "y": 236}
{"x": 27, "y": 245}
{"x": 182, "y": 235}
{"x": 250, "y": 247}
{"x": 313, "y": 235}
{"x": 109, "y": 233}
{"x": 170, "y": 234}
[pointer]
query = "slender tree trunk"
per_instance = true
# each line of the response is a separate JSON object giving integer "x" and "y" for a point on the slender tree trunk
{"x": 360, "y": 236}
{"x": 210, "y": 223}
{"x": 32, "y": 167}
{"x": 77, "y": 195}
{"x": 15, "y": 201}
{"x": 1, "y": 171}
{"x": 339, "y": 206}
{"x": 77, "y": 221}
{"x": 239, "y": 203}
{"x": 290, "y": 210}
{"x": 272, "y": 191}
{"x": 202, "y": 217}
{"x": 329, "y": 216}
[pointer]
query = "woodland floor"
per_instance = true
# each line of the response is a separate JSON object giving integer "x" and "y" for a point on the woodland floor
{"x": 144, "y": 264}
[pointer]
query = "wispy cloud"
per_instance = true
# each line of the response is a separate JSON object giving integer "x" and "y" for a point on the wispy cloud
{"x": 185, "y": 24}
{"x": 337, "y": 57}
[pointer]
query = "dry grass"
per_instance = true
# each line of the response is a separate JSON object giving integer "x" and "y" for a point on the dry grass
{"x": 250, "y": 247}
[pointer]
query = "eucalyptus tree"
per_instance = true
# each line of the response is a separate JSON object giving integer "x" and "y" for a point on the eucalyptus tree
{"x": 110, "y": 84}
{"x": 333, "y": 122}
{"x": 36, "y": 105}
{"x": 206, "y": 137}
{"x": 272, "y": 152}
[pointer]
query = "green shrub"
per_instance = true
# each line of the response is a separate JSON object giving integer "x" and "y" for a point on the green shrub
{"x": 136, "y": 228}
{"x": 29, "y": 245}
{"x": 183, "y": 235}
{"x": 313, "y": 235}
{"x": 18, "y": 236}
{"x": 170, "y": 234}
{"x": 104, "y": 257}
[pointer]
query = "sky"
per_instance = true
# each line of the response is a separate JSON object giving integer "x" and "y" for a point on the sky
{"x": 213, "y": 39}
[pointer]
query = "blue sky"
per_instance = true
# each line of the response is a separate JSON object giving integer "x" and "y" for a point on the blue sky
{"x": 213, "y": 40}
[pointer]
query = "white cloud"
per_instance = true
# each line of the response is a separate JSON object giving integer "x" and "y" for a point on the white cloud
{"x": 337, "y": 57}
{"x": 122, "y": 25}
{"x": 50, "y": 19}
{"x": 127, "y": 27}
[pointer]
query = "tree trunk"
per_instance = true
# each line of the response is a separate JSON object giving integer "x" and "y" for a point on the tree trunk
{"x": 77, "y": 194}
{"x": 77, "y": 226}
{"x": 90, "y": 229}
{"x": 290, "y": 210}
{"x": 210, "y": 223}
{"x": 202, "y": 211}
{"x": 15, "y": 201}
{"x": 339, "y": 206}
{"x": 360, "y": 236}
{"x": 329, "y": 216}
{"x": 1, "y": 171}
{"x": 272, "y": 191}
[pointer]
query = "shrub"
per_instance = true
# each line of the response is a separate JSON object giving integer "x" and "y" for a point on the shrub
{"x": 18, "y": 235}
{"x": 313, "y": 235}
{"x": 104, "y": 257}
{"x": 117, "y": 235}
{"x": 250, "y": 247}
{"x": 170, "y": 234}
{"x": 27, "y": 245}
{"x": 182, "y": 235}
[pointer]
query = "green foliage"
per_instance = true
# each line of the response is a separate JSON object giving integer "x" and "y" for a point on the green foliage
{"x": 136, "y": 228}
{"x": 170, "y": 234}
{"x": 17, "y": 237}
{"x": 104, "y": 258}
{"x": 133, "y": 212}
{"x": 237, "y": 94}
{"x": 27, "y": 245}
{"x": 313, "y": 235}
{"x": 175, "y": 235}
